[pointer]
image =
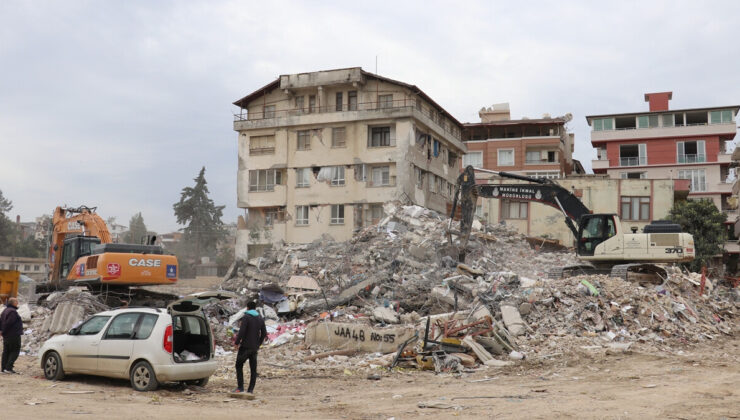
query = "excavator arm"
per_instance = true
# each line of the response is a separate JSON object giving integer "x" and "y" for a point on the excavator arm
{"x": 79, "y": 220}
{"x": 540, "y": 190}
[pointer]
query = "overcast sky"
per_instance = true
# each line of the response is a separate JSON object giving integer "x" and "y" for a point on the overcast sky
{"x": 119, "y": 104}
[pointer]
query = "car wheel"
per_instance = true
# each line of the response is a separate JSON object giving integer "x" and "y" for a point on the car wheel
{"x": 143, "y": 377}
{"x": 53, "y": 370}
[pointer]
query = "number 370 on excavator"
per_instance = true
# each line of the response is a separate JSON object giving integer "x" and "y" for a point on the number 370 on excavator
{"x": 601, "y": 242}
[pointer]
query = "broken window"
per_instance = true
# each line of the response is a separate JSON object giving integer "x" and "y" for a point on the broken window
{"x": 352, "y": 100}
{"x": 261, "y": 145}
{"x": 419, "y": 177}
{"x": 381, "y": 176}
{"x": 514, "y": 209}
{"x": 268, "y": 111}
{"x": 311, "y": 103}
{"x": 338, "y": 137}
{"x": 274, "y": 215}
{"x": 376, "y": 212}
{"x": 337, "y": 214}
{"x": 452, "y": 159}
{"x": 264, "y": 179}
{"x": 635, "y": 208}
{"x": 339, "y": 101}
{"x": 385, "y": 101}
{"x": 304, "y": 140}
{"x": 379, "y": 137}
{"x": 337, "y": 175}
{"x": 360, "y": 172}
{"x": 691, "y": 151}
{"x": 302, "y": 177}
{"x": 301, "y": 215}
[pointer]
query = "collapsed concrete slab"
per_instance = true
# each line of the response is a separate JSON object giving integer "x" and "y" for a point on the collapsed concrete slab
{"x": 347, "y": 336}
{"x": 66, "y": 315}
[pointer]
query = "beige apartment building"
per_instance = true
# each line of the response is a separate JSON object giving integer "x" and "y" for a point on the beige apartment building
{"x": 320, "y": 152}
{"x": 636, "y": 201}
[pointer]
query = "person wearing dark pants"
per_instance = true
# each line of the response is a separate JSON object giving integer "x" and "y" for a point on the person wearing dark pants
{"x": 252, "y": 333}
{"x": 11, "y": 326}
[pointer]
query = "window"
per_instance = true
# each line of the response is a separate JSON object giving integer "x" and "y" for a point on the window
{"x": 337, "y": 214}
{"x": 337, "y": 175}
{"x": 691, "y": 151}
{"x": 35, "y": 268}
{"x": 435, "y": 147}
{"x": 547, "y": 175}
{"x": 474, "y": 159}
{"x": 451, "y": 159}
{"x": 301, "y": 215}
{"x": 514, "y": 209}
{"x": 376, "y": 212}
{"x": 632, "y": 155}
{"x": 312, "y": 103}
{"x": 432, "y": 183}
{"x": 146, "y": 326}
{"x": 122, "y": 326}
{"x": 505, "y": 157}
{"x": 419, "y": 177}
{"x": 339, "y": 101}
{"x": 299, "y": 103}
{"x": 647, "y": 121}
{"x": 268, "y": 111}
{"x": 533, "y": 156}
{"x": 261, "y": 145}
{"x": 635, "y": 208}
{"x": 385, "y": 101}
{"x": 274, "y": 215}
{"x": 2, "y": 266}
{"x": 264, "y": 179}
{"x": 26, "y": 267}
{"x": 304, "y": 140}
{"x": 338, "y": 137}
{"x": 479, "y": 211}
{"x": 668, "y": 120}
{"x": 360, "y": 172}
{"x": 352, "y": 100}
{"x": 381, "y": 176}
{"x": 302, "y": 177}
{"x": 632, "y": 175}
{"x": 698, "y": 180}
{"x": 379, "y": 137}
{"x": 93, "y": 325}
{"x": 721, "y": 117}
{"x": 601, "y": 124}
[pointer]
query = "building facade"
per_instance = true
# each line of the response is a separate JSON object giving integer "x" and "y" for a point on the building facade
{"x": 34, "y": 268}
{"x": 533, "y": 147}
{"x": 668, "y": 144}
{"x": 320, "y": 152}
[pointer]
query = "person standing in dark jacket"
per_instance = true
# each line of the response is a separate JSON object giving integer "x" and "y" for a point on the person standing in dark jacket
{"x": 11, "y": 326}
{"x": 252, "y": 333}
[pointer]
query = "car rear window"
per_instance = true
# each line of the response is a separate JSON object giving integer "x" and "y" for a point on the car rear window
{"x": 190, "y": 325}
{"x": 146, "y": 326}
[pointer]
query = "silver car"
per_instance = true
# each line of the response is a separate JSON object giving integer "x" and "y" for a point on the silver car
{"x": 145, "y": 345}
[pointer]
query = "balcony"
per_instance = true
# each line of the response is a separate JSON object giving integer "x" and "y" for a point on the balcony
{"x": 632, "y": 161}
{"x": 699, "y": 158}
{"x": 600, "y": 164}
{"x": 724, "y": 157}
{"x": 356, "y": 111}
{"x": 724, "y": 187}
{"x": 703, "y": 129}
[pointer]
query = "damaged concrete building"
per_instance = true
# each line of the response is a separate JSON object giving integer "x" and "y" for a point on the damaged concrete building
{"x": 320, "y": 152}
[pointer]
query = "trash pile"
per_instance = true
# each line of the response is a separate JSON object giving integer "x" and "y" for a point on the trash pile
{"x": 396, "y": 293}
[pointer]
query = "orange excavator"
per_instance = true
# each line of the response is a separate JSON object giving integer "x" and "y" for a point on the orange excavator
{"x": 81, "y": 252}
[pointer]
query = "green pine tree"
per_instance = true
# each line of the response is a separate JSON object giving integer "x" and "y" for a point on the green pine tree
{"x": 201, "y": 217}
{"x": 136, "y": 230}
{"x": 7, "y": 228}
{"x": 705, "y": 222}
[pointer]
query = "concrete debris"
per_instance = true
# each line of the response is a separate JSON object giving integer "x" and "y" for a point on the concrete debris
{"x": 385, "y": 315}
{"x": 512, "y": 320}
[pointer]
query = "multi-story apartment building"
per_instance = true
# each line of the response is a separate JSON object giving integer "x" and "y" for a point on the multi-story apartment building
{"x": 662, "y": 143}
{"x": 320, "y": 152}
{"x": 534, "y": 147}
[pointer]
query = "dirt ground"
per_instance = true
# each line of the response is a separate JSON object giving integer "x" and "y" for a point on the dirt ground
{"x": 701, "y": 382}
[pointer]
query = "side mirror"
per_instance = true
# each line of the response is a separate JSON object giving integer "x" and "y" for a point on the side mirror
{"x": 73, "y": 331}
{"x": 56, "y": 247}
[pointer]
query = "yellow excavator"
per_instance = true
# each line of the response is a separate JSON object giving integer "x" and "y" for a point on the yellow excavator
{"x": 601, "y": 242}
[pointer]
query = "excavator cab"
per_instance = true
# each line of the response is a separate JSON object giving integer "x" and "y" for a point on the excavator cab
{"x": 74, "y": 248}
{"x": 594, "y": 229}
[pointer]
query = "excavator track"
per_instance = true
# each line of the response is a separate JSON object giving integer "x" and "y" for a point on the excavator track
{"x": 640, "y": 273}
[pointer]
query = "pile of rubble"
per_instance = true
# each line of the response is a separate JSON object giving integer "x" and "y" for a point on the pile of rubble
{"x": 496, "y": 307}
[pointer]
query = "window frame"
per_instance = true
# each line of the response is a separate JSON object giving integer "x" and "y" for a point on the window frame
{"x": 339, "y": 101}
{"x": 352, "y": 100}
{"x": 272, "y": 177}
{"x": 337, "y": 214}
{"x": 641, "y": 205}
{"x": 384, "y": 102}
{"x": 303, "y": 177}
{"x": 337, "y": 176}
{"x": 513, "y": 157}
{"x": 467, "y": 156}
{"x": 107, "y": 320}
{"x": 305, "y": 137}
{"x": 382, "y": 170}
{"x": 381, "y": 131}
{"x": 300, "y": 220}
{"x": 134, "y": 328}
{"x": 338, "y": 144}
{"x": 508, "y": 205}
{"x": 268, "y": 111}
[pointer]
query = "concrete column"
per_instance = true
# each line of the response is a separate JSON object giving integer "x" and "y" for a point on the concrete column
{"x": 321, "y": 100}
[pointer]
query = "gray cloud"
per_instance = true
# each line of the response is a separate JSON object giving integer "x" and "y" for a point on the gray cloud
{"x": 120, "y": 104}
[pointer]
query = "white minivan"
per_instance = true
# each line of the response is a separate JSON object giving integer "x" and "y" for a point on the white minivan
{"x": 145, "y": 345}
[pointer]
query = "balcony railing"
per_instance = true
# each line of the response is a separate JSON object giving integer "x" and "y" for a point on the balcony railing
{"x": 437, "y": 117}
{"x": 539, "y": 161}
{"x": 262, "y": 151}
{"x": 632, "y": 161}
{"x": 698, "y": 158}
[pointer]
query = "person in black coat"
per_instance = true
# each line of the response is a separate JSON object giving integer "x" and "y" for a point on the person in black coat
{"x": 252, "y": 333}
{"x": 11, "y": 326}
